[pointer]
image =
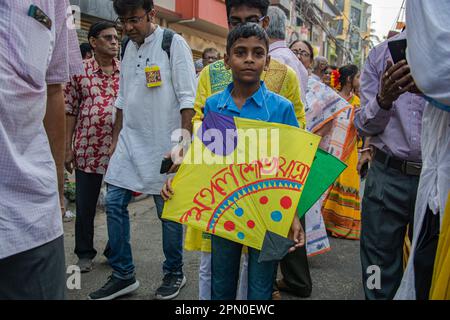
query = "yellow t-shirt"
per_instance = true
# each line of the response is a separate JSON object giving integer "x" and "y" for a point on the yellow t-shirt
{"x": 280, "y": 79}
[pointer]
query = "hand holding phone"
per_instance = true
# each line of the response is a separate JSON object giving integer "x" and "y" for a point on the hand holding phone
{"x": 397, "y": 49}
{"x": 166, "y": 164}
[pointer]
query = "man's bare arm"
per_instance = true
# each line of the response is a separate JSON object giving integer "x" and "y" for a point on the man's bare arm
{"x": 71, "y": 122}
{"x": 116, "y": 130}
{"x": 54, "y": 123}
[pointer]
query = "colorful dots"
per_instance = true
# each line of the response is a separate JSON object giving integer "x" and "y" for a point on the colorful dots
{"x": 264, "y": 200}
{"x": 286, "y": 203}
{"x": 251, "y": 224}
{"x": 241, "y": 235}
{"x": 229, "y": 226}
{"x": 276, "y": 216}
{"x": 239, "y": 212}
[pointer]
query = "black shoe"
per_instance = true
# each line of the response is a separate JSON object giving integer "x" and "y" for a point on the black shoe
{"x": 114, "y": 288}
{"x": 170, "y": 287}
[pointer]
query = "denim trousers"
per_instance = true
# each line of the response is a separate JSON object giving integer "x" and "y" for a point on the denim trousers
{"x": 119, "y": 248}
{"x": 225, "y": 263}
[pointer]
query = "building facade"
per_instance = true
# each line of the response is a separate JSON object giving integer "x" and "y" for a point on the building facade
{"x": 337, "y": 29}
{"x": 353, "y": 30}
{"x": 202, "y": 23}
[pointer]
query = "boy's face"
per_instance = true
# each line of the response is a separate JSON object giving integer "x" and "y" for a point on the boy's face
{"x": 248, "y": 58}
{"x": 243, "y": 14}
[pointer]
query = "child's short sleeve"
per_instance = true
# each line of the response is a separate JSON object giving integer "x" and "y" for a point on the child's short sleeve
{"x": 289, "y": 116}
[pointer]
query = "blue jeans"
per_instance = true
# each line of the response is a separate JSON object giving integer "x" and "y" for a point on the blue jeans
{"x": 120, "y": 257}
{"x": 226, "y": 258}
{"x": 172, "y": 234}
{"x": 119, "y": 249}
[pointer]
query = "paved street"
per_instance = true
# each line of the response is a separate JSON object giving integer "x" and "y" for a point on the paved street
{"x": 336, "y": 275}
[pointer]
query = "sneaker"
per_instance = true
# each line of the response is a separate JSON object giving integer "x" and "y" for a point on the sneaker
{"x": 114, "y": 288}
{"x": 170, "y": 287}
{"x": 85, "y": 265}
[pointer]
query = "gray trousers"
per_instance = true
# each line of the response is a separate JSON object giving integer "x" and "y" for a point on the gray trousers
{"x": 387, "y": 209}
{"x": 37, "y": 274}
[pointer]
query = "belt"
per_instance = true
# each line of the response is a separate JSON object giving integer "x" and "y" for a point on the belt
{"x": 406, "y": 167}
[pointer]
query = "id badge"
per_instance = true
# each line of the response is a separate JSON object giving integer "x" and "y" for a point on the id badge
{"x": 153, "y": 76}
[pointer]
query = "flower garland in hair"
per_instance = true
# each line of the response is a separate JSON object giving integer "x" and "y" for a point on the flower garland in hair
{"x": 335, "y": 80}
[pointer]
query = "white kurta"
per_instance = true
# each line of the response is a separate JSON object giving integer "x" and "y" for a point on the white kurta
{"x": 429, "y": 58}
{"x": 150, "y": 115}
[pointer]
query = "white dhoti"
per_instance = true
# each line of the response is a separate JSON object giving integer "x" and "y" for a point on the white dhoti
{"x": 434, "y": 184}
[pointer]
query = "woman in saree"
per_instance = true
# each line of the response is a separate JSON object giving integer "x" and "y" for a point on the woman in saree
{"x": 331, "y": 117}
{"x": 342, "y": 208}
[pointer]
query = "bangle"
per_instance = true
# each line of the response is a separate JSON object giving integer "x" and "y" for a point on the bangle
{"x": 364, "y": 150}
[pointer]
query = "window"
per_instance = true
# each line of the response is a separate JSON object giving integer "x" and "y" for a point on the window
{"x": 340, "y": 5}
{"x": 338, "y": 27}
{"x": 355, "y": 40}
{"x": 356, "y": 16}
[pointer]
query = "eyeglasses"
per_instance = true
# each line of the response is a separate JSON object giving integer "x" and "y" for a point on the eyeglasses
{"x": 121, "y": 22}
{"x": 109, "y": 37}
{"x": 302, "y": 53}
{"x": 236, "y": 22}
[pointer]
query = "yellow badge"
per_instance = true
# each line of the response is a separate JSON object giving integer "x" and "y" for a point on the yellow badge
{"x": 153, "y": 76}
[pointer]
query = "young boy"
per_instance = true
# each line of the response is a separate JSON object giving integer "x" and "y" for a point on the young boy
{"x": 213, "y": 79}
{"x": 247, "y": 97}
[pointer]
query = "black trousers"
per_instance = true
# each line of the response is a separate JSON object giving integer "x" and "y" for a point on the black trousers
{"x": 295, "y": 270}
{"x": 387, "y": 209}
{"x": 425, "y": 254}
{"x": 36, "y": 274}
{"x": 87, "y": 190}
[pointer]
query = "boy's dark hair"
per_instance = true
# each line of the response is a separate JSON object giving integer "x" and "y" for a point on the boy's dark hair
{"x": 85, "y": 48}
{"x": 347, "y": 71}
{"x": 124, "y": 7}
{"x": 246, "y": 31}
{"x": 98, "y": 27}
{"x": 262, "y": 5}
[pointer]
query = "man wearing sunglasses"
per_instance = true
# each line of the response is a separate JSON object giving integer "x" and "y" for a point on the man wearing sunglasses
{"x": 90, "y": 107}
{"x": 156, "y": 98}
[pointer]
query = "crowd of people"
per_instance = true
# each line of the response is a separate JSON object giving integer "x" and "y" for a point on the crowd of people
{"x": 124, "y": 100}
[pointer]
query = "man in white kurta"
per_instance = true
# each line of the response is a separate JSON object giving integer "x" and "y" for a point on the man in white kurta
{"x": 152, "y": 108}
{"x": 428, "y": 34}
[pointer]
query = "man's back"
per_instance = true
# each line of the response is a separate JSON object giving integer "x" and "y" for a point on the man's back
{"x": 32, "y": 56}
{"x": 279, "y": 51}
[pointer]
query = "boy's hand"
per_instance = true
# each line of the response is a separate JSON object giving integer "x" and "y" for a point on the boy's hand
{"x": 167, "y": 191}
{"x": 297, "y": 234}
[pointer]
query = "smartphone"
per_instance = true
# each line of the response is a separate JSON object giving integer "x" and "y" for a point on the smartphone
{"x": 39, "y": 15}
{"x": 398, "y": 50}
{"x": 364, "y": 170}
{"x": 166, "y": 164}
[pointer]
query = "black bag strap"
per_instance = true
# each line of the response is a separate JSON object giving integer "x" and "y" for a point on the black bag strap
{"x": 165, "y": 45}
{"x": 124, "y": 47}
{"x": 167, "y": 41}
